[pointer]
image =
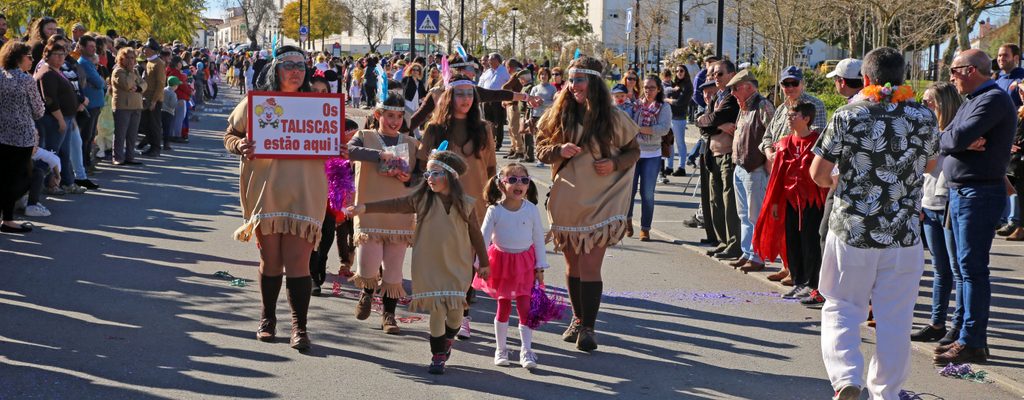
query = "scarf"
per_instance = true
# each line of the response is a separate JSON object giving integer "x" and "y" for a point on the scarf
{"x": 646, "y": 114}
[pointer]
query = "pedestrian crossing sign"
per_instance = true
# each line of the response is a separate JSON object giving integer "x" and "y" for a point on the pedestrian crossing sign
{"x": 427, "y": 21}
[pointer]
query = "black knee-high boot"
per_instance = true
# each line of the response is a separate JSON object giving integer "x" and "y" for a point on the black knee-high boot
{"x": 298, "y": 297}
{"x": 270, "y": 288}
{"x": 591, "y": 297}
{"x": 573, "y": 287}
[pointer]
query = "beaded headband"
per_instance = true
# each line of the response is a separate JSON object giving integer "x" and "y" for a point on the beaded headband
{"x": 443, "y": 165}
{"x": 280, "y": 57}
{"x": 463, "y": 64}
{"x": 583, "y": 71}
{"x": 461, "y": 82}
{"x": 390, "y": 108}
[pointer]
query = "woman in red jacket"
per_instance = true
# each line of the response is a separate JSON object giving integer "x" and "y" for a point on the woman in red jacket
{"x": 183, "y": 92}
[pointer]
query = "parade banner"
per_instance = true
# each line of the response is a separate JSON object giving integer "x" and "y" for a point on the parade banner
{"x": 296, "y": 125}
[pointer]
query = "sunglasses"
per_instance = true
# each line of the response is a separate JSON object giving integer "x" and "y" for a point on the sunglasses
{"x": 718, "y": 74}
{"x": 462, "y": 92}
{"x": 292, "y": 65}
{"x": 630, "y": 78}
{"x": 512, "y": 180}
{"x": 790, "y": 84}
{"x": 433, "y": 174}
{"x": 556, "y": 74}
{"x": 417, "y": 70}
{"x": 954, "y": 69}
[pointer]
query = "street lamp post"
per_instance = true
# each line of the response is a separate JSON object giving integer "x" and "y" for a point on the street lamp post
{"x": 412, "y": 30}
{"x": 721, "y": 28}
{"x": 679, "y": 37}
{"x": 636, "y": 35}
{"x": 462, "y": 22}
{"x": 514, "y": 10}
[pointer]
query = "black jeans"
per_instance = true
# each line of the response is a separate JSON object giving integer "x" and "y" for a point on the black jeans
{"x": 15, "y": 175}
{"x": 803, "y": 252}
{"x": 705, "y": 197}
{"x": 723, "y": 204}
{"x": 152, "y": 120}
{"x": 87, "y": 127}
{"x": 345, "y": 233}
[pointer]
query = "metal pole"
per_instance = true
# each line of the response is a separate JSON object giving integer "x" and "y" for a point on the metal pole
{"x": 462, "y": 22}
{"x": 300, "y": 23}
{"x": 679, "y": 36}
{"x": 721, "y": 28}
{"x": 309, "y": 20}
{"x": 636, "y": 35}
{"x": 739, "y": 13}
{"x": 513, "y": 34}
{"x": 412, "y": 29}
{"x": 1020, "y": 21}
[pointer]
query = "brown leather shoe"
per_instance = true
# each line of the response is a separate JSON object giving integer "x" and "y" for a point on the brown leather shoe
{"x": 787, "y": 281}
{"x": 1016, "y": 236}
{"x": 753, "y": 267}
{"x": 572, "y": 332}
{"x": 739, "y": 263}
{"x": 629, "y": 227}
{"x": 363, "y": 307}
{"x": 267, "y": 332}
{"x": 389, "y": 325}
{"x": 645, "y": 236}
{"x": 960, "y": 354}
{"x": 778, "y": 276}
{"x": 300, "y": 340}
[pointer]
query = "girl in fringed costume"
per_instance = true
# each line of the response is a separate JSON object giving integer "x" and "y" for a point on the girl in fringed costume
{"x": 442, "y": 264}
{"x": 514, "y": 236}
{"x": 793, "y": 206}
{"x": 283, "y": 203}
{"x": 592, "y": 149}
{"x": 458, "y": 120}
{"x": 382, "y": 238}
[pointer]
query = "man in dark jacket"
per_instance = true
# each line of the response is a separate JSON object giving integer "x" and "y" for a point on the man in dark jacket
{"x": 718, "y": 162}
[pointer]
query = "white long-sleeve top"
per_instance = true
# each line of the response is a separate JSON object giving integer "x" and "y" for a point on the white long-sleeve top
{"x": 515, "y": 231}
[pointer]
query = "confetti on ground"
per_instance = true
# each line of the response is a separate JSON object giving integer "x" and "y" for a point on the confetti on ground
{"x": 963, "y": 371}
{"x": 707, "y": 298}
{"x": 233, "y": 281}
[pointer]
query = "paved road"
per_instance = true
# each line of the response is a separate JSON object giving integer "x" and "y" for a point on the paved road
{"x": 115, "y": 296}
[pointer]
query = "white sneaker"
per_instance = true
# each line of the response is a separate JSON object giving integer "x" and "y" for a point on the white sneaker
{"x": 464, "y": 332}
{"x": 73, "y": 189}
{"x": 528, "y": 359}
{"x": 37, "y": 210}
{"x": 21, "y": 203}
{"x": 540, "y": 164}
{"x": 501, "y": 357}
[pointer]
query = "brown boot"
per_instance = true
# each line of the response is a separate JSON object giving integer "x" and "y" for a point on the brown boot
{"x": 363, "y": 307}
{"x": 645, "y": 236}
{"x": 389, "y": 325}
{"x": 629, "y": 227}
{"x": 739, "y": 263}
{"x": 298, "y": 297}
{"x": 270, "y": 287}
{"x": 1016, "y": 236}
{"x": 960, "y": 354}
{"x": 778, "y": 276}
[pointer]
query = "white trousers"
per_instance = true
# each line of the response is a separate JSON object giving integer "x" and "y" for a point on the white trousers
{"x": 850, "y": 278}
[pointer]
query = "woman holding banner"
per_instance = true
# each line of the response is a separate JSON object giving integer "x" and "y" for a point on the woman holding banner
{"x": 283, "y": 203}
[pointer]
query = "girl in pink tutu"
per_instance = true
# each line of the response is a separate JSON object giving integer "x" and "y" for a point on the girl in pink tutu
{"x": 514, "y": 236}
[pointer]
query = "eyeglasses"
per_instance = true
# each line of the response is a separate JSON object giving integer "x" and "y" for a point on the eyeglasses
{"x": 292, "y": 65}
{"x": 954, "y": 69}
{"x": 578, "y": 80}
{"x": 651, "y": 88}
{"x": 433, "y": 174}
{"x": 512, "y": 180}
{"x": 462, "y": 92}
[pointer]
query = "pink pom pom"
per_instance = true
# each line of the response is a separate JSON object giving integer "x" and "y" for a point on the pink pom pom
{"x": 340, "y": 183}
{"x": 544, "y": 308}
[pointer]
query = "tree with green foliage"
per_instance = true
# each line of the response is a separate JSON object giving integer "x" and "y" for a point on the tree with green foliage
{"x": 165, "y": 20}
{"x": 328, "y": 17}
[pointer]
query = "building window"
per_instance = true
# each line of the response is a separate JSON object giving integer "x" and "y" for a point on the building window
{"x": 711, "y": 20}
{"x": 686, "y": 18}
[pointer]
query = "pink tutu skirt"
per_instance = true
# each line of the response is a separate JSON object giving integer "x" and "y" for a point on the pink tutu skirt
{"x": 512, "y": 274}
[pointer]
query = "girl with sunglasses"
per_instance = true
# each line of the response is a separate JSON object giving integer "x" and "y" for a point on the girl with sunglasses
{"x": 514, "y": 237}
{"x": 382, "y": 238}
{"x": 442, "y": 265}
{"x": 592, "y": 150}
{"x": 283, "y": 203}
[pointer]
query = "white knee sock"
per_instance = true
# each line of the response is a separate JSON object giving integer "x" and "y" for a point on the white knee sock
{"x": 526, "y": 336}
{"x": 501, "y": 334}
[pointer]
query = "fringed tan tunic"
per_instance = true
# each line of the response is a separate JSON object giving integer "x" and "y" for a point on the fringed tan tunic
{"x": 587, "y": 210}
{"x": 277, "y": 195}
{"x": 443, "y": 253}
{"x": 390, "y": 228}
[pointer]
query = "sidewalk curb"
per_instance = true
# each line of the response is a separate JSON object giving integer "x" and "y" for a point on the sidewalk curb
{"x": 1013, "y": 386}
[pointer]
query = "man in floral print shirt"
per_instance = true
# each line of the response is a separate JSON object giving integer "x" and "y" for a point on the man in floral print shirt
{"x": 881, "y": 146}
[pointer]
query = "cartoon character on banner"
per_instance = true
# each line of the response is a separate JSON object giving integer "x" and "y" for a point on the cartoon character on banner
{"x": 269, "y": 113}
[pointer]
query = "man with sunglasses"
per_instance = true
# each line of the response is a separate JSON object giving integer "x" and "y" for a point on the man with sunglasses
{"x": 724, "y": 109}
{"x": 792, "y": 82}
{"x": 702, "y": 77}
{"x": 977, "y": 145}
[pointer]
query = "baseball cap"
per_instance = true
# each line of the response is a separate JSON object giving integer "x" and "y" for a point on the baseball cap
{"x": 618, "y": 88}
{"x": 791, "y": 72}
{"x": 847, "y": 68}
{"x": 707, "y": 84}
{"x": 173, "y": 81}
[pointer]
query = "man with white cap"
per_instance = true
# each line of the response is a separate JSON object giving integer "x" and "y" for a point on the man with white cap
{"x": 847, "y": 77}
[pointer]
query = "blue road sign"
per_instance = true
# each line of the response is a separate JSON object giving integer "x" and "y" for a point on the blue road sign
{"x": 303, "y": 30}
{"x": 428, "y": 22}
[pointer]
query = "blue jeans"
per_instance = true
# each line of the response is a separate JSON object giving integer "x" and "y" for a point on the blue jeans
{"x": 644, "y": 177}
{"x": 947, "y": 274}
{"x": 974, "y": 212}
{"x": 179, "y": 119}
{"x": 75, "y": 156}
{"x": 750, "y": 189}
{"x": 679, "y": 133}
{"x": 1013, "y": 210}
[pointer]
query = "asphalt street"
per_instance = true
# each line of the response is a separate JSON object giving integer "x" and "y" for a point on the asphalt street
{"x": 117, "y": 296}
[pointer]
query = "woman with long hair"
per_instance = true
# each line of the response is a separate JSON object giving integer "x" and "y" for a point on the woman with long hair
{"x": 654, "y": 118}
{"x": 414, "y": 89}
{"x": 458, "y": 119}
{"x": 944, "y": 100}
{"x": 283, "y": 203}
{"x": 592, "y": 149}
{"x": 632, "y": 82}
{"x": 679, "y": 98}
{"x": 38, "y": 34}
